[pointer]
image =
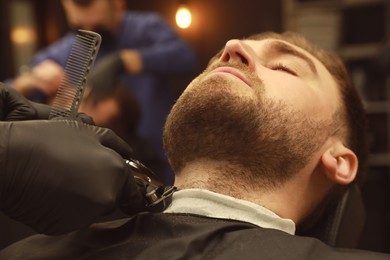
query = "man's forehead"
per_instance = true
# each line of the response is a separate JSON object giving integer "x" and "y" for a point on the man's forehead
{"x": 272, "y": 44}
{"x": 278, "y": 45}
{"x": 265, "y": 45}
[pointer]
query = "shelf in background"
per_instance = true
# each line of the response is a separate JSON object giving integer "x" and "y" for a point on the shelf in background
{"x": 381, "y": 159}
{"x": 377, "y": 107}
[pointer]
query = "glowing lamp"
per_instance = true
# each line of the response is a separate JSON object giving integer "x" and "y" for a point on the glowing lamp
{"x": 22, "y": 35}
{"x": 183, "y": 17}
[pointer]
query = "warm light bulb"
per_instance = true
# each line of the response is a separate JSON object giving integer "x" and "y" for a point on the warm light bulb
{"x": 22, "y": 35}
{"x": 183, "y": 17}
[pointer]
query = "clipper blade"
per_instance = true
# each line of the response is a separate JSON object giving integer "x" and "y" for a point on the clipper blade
{"x": 78, "y": 66}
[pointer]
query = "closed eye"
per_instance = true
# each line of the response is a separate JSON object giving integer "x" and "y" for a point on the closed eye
{"x": 284, "y": 68}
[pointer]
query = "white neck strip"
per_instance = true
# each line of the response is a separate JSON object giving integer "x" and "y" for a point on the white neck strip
{"x": 215, "y": 205}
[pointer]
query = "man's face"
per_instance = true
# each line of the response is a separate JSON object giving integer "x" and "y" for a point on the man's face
{"x": 101, "y": 16}
{"x": 279, "y": 71}
{"x": 263, "y": 105}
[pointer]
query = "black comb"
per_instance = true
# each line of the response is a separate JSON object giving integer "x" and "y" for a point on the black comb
{"x": 77, "y": 68}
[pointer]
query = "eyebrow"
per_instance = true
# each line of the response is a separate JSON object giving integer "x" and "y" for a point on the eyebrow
{"x": 283, "y": 48}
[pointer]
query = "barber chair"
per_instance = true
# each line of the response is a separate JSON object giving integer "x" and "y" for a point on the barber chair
{"x": 343, "y": 223}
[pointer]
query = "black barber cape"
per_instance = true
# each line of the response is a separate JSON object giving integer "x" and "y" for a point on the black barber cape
{"x": 177, "y": 236}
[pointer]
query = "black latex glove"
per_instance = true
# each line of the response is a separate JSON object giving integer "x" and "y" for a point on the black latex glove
{"x": 105, "y": 77}
{"x": 58, "y": 176}
{"x": 15, "y": 107}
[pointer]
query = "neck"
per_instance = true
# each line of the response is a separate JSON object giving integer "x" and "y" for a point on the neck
{"x": 292, "y": 199}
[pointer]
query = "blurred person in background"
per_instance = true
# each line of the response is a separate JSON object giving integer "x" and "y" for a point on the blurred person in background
{"x": 138, "y": 49}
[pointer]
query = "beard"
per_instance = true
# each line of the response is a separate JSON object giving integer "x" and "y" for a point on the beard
{"x": 263, "y": 138}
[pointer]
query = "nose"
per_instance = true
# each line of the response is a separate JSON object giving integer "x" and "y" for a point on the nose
{"x": 237, "y": 51}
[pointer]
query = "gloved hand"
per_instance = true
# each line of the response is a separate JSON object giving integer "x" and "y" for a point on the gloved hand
{"x": 105, "y": 76}
{"x": 15, "y": 107}
{"x": 61, "y": 175}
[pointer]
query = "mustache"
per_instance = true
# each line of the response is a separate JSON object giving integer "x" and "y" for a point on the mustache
{"x": 250, "y": 75}
{"x": 235, "y": 65}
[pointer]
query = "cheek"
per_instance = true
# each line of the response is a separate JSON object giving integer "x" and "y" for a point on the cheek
{"x": 298, "y": 94}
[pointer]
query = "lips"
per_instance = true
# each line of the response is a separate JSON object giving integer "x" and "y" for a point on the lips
{"x": 232, "y": 71}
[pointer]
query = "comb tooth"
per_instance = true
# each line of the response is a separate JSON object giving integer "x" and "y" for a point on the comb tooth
{"x": 64, "y": 98}
{"x": 75, "y": 73}
{"x": 63, "y": 106}
{"x": 78, "y": 66}
{"x": 64, "y": 94}
{"x": 67, "y": 90}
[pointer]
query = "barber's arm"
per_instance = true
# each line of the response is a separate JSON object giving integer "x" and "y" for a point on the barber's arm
{"x": 60, "y": 175}
{"x": 166, "y": 51}
{"x": 159, "y": 50}
{"x": 44, "y": 77}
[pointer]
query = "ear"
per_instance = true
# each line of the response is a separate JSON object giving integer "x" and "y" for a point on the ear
{"x": 340, "y": 164}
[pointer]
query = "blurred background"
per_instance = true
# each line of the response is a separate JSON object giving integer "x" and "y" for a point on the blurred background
{"x": 357, "y": 29}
